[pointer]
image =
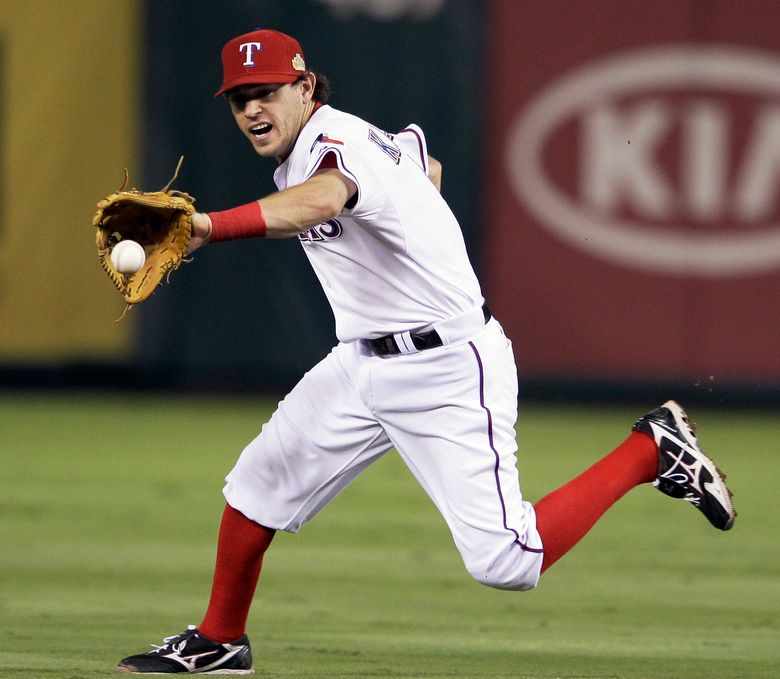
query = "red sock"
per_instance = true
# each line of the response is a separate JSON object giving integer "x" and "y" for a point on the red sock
{"x": 240, "y": 549}
{"x": 565, "y": 515}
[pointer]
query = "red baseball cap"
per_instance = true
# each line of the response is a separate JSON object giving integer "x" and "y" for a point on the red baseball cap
{"x": 261, "y": 57}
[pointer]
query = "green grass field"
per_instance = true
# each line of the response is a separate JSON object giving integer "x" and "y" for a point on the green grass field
{"x": 109, "y": 510}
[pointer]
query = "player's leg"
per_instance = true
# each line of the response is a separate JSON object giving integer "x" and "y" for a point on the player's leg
{"x": 241, "y": 547}
{"x": 469, "y": 471}
{"x": 662, "y": 450}
{"x": 309, "y": 451}
{"x": 564, "y": 516}
{"x": 450, "y": 412}
{"x": 319, "y": 439}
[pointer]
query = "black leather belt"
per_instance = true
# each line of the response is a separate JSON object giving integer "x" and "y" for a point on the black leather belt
{"x": 385, "y": 346}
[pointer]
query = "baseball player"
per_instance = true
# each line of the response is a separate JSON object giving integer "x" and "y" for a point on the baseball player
{"x": 421, "y": 365}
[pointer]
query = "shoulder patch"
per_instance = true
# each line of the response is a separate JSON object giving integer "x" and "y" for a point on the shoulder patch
{"x": 323, "y": 138}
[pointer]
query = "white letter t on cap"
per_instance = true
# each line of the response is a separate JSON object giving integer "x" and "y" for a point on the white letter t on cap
{"x": 250, "y": 51}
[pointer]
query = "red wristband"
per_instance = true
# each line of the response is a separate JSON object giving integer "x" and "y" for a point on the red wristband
{"x": 245, "y": 221}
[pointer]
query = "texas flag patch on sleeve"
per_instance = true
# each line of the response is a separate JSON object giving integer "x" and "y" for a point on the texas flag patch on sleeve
{"x": 323, "y": 138}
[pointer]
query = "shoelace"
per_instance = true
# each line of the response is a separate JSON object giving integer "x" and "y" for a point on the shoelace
{"x": 167, "y": 641}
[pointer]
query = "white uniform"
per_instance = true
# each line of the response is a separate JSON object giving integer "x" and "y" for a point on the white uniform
{"x": 391, "y": 263}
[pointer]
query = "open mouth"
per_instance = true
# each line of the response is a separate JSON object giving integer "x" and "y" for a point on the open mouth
{"x": 260, "y": 130}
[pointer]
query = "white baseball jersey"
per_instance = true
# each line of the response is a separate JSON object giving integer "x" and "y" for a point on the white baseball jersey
{"x": 390, "y": 263}
{"x": 395, "y": 260}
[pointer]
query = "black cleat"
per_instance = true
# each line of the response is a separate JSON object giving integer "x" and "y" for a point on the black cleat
{"x": 191, "y": 653}
{"x": 684, "y": 471}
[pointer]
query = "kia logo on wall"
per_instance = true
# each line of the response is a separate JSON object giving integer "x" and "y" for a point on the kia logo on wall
{"x": 664, "y": 159}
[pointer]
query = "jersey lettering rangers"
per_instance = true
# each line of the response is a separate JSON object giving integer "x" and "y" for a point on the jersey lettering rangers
{"x": 394, "y": 259}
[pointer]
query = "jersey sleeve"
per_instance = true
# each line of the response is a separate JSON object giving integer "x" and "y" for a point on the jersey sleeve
{"x": 335, "y": 151}
{"x": 411, "y": 140}
{"x": 367, "y": 156}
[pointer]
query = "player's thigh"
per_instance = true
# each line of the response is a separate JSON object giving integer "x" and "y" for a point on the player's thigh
{"x": 457, "y": 436}
{"x": 318, "y": 440}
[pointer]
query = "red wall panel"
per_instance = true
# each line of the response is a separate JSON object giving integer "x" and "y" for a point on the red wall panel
{"x": 632, "y": 224}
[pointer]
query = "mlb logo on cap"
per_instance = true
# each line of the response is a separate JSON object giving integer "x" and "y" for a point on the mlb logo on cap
{"x": 261, "y": 57}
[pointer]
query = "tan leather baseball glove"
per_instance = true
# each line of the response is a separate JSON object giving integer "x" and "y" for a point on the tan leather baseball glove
{"x": 161, "y": 221}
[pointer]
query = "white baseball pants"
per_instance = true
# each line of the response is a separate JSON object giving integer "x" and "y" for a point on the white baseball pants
{"x": 449, "y": 412}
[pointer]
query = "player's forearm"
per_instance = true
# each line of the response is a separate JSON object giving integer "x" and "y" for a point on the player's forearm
{"x": 278, "y": 215}
{"x": 289, "y": 212}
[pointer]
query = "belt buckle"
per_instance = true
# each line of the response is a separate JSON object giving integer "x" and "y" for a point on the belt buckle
{"x": 405, "y": 343}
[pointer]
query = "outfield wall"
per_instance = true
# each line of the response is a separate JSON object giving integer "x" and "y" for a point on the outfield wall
{"x": 614, "y": 166}
{"x": 631, "y": 189}
{"x": 69, "y": 116}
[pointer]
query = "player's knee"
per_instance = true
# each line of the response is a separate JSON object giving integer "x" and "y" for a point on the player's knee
{"x": 515, "y": 570}
{"x": 499, "y": 581}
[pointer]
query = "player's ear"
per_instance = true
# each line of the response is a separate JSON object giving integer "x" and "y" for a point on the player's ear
{"x": 307, "y": 82}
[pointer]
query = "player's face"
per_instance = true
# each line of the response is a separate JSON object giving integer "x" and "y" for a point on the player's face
{"x": 271, "y": 116}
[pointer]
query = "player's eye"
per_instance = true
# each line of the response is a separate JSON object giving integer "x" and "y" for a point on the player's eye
{"x": 241, "y": 98}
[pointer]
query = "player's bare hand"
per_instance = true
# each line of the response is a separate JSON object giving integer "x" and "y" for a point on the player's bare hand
{"x": 201, "y": 231}
{"x": 434, "y": 172}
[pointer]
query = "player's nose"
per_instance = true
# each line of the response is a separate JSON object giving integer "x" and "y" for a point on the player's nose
{"x": 252, "y": 109}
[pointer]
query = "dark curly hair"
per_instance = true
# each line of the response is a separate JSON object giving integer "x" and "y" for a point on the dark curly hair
{"x": 322, "y": 89}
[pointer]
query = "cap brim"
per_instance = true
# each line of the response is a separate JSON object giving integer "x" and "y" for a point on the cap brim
{"x": 257, "y": 79}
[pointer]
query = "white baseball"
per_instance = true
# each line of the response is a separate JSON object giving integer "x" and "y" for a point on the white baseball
{"x": 127, "y": 256}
